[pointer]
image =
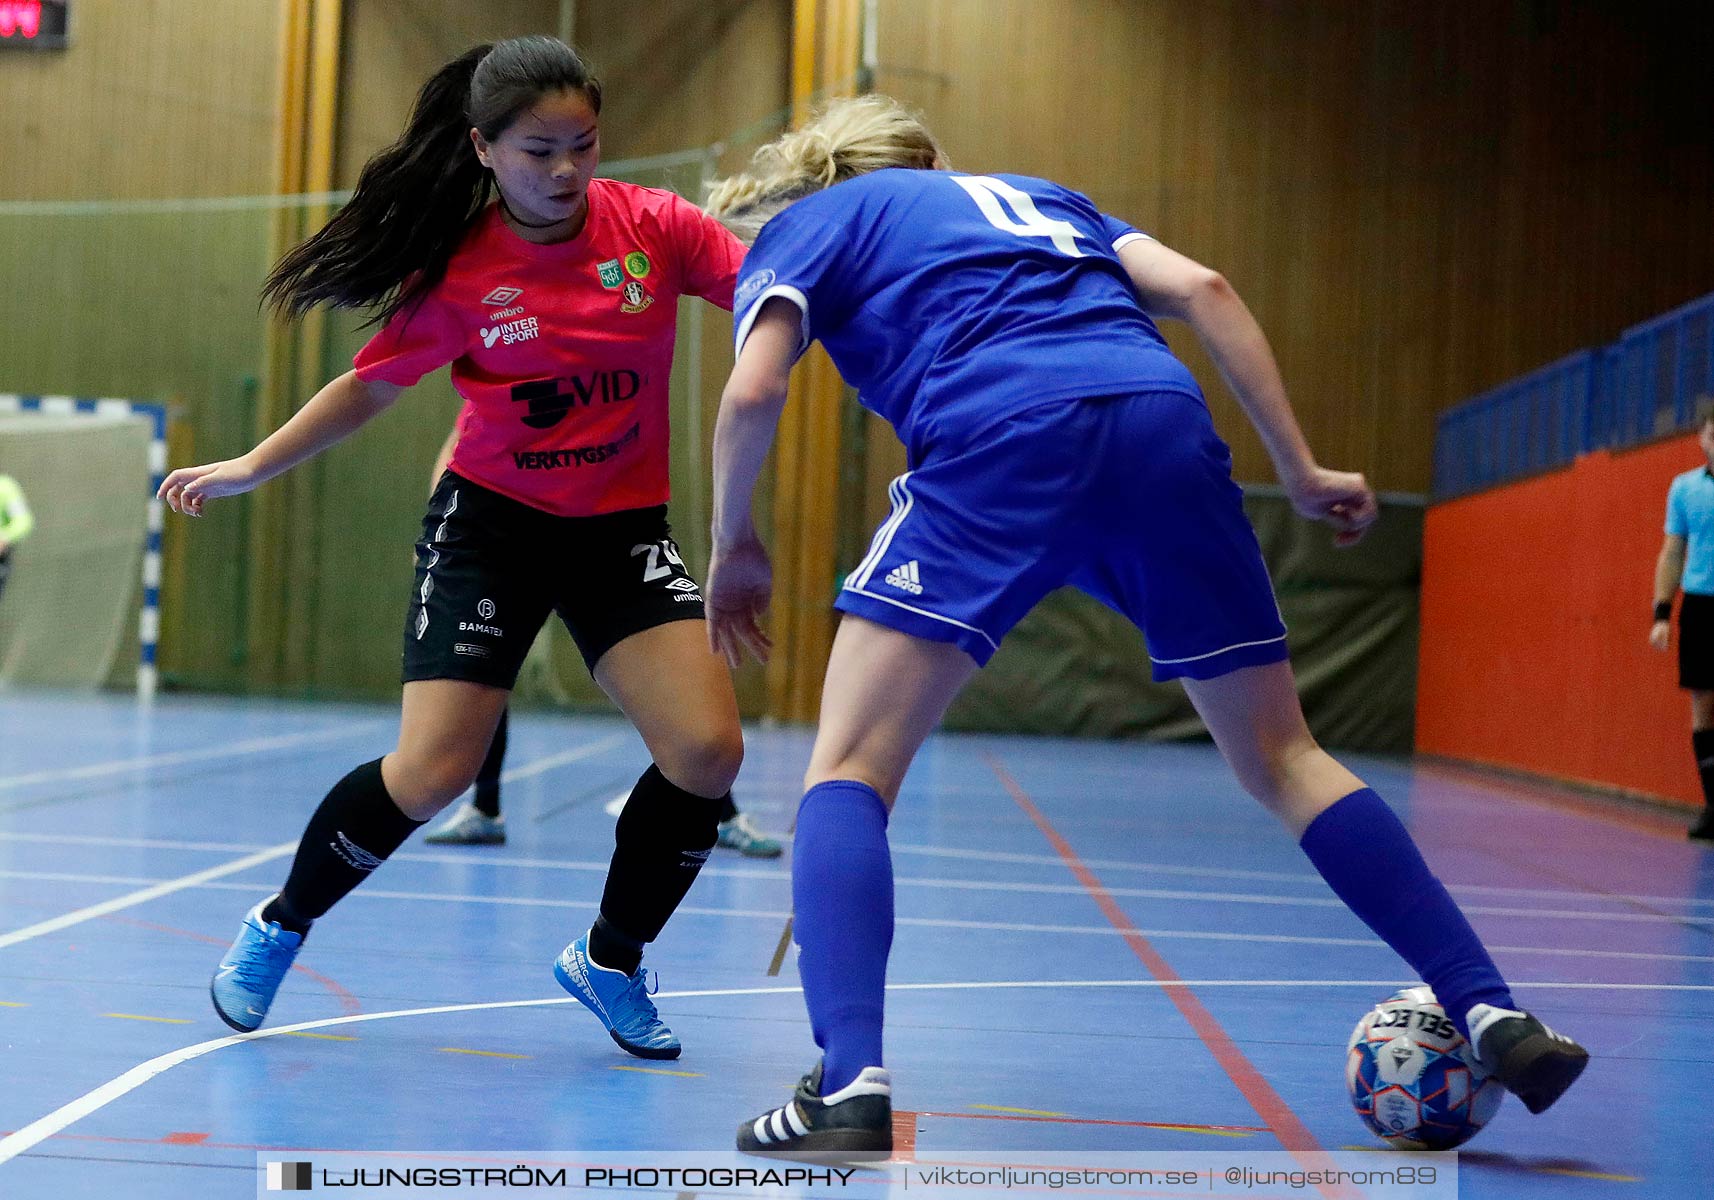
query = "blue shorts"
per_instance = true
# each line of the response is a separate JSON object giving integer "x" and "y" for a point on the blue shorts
{"x": 1128, "y": 498}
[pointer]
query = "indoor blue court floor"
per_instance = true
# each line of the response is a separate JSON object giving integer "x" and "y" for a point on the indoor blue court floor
{"x": 1101, "y": 946}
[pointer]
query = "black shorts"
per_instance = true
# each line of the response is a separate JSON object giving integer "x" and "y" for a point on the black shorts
{"x": 1696, "y": 643}
{"x": 490, "y": 569}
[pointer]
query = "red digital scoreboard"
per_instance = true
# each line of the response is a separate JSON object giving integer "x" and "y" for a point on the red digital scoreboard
{"x": 34, "y": 24}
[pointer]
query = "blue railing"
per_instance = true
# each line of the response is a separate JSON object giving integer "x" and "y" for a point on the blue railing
{"x": 1653, "y": 381}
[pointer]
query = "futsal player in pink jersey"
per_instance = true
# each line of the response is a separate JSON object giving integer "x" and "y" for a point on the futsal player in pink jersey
{"x": 555, "y": 303}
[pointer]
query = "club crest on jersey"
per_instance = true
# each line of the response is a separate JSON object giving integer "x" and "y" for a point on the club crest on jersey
{"x": 637, "y": 298}
{"x": 609, "y": 272}
{"x": 637, "y": 263}
{"x": 753, "y": 287}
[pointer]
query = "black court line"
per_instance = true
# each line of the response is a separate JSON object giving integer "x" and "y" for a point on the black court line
{"x": 610, "y": 787}
{"x": 780, "y": 950}
{"x": 247, "y": 1168}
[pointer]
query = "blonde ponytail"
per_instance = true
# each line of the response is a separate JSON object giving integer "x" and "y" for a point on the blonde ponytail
{"x": 848, "y": 138}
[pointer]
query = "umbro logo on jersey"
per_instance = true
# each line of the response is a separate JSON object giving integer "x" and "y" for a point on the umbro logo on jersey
{"x": 502, "y": 296}
{"x": 906, "y": 578}
{"x": 681, "y": 584}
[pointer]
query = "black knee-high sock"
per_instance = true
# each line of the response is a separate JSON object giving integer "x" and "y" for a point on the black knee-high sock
{"x": 1702, "y": 740}
{"x": 351, "y": 834}
{"x": 728, "y": 808}
{"x": 662, "y": 839}
{"x": 488, "y": 778}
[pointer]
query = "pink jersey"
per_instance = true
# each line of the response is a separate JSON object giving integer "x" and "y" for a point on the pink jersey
{"x": 563, "y": 353}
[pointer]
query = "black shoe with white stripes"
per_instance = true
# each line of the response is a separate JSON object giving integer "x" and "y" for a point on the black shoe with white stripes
{"x": 1533, "y": 1062}
{"x": 853, "y": 1124}
{"x": 1703, "y": 830}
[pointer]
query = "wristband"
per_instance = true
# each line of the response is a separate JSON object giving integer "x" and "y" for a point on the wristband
{"x": 1663, "y": 611}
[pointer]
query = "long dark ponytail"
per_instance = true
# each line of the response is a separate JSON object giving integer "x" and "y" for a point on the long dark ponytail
{"x": 415, "y": 200}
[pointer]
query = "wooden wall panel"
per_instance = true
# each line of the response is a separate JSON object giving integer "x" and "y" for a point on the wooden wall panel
{"x": 393, "y": 46}
{"x": 150, "y": 100}
{"x": 685, "y": 73}
{"x": 1418, "y": 201}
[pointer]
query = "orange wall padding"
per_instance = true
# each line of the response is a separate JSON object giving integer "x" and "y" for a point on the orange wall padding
{"x": 1535, "y": 614}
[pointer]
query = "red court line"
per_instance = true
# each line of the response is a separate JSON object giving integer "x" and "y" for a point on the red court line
{"x": 1285, "y": 1125}
{"x": 348, "y": 1003}
{"x": 1039, "y": 1120}
{"x": 904, "y": 1137}
{"x": 171, "y": 1139}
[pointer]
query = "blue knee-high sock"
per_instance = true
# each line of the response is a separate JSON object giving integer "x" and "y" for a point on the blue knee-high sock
{"x": 1369, "y": 860}
{"x": 842, "y": 894}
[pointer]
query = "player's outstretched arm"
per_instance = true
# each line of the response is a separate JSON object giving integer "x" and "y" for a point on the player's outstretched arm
{"x": 1171, "y": 285}
{"x": 332, "y": 414}
{"x": 740, "y": 576}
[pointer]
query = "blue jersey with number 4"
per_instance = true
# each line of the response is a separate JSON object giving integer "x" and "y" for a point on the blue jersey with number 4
{"x": 952, "y": 301}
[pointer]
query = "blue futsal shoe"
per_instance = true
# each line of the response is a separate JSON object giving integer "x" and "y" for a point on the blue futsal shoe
{"x": 621, "y": 1001}
{"x": 250, "y": 974}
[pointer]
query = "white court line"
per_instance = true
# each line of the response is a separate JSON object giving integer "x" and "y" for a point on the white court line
{"x": 1105, "y": 930}
{"x": 543, "y": 765}
{"x": 1052, "y": 889}
{"x": 38, "y": 1131}
{"x": 167, "y": 887}
{"x": 122, "y": 843}
{"x": 72, "y": 839}
{"x": 235, "y": 750}
{"x": 131, "y": 899}
{"x": 1308, "y": 878}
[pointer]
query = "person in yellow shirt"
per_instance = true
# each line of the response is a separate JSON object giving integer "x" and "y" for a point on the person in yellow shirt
{"x": 16, "y": 522}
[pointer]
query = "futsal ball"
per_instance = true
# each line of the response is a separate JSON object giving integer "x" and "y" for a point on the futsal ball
{"x": 1412, "y": 1077}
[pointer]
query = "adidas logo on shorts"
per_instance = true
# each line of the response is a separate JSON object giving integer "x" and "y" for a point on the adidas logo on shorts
{"x": 905, "y": 578}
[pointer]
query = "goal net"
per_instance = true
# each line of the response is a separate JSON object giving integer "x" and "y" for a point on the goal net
{"x": 78, "y": 608}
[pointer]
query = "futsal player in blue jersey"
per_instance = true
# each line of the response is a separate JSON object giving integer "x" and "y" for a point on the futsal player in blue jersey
{"x": 1005, "y": 328}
